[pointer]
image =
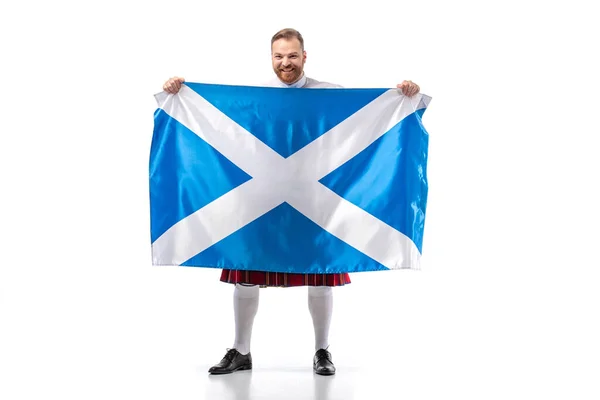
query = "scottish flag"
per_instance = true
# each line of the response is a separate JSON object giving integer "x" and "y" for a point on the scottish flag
{"x": 288, "y": 180}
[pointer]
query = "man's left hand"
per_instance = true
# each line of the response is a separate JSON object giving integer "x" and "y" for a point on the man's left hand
{"x": 409, "y": 88}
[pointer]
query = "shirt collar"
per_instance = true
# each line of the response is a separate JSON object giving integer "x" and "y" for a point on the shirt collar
{"x": 298, "y": 84}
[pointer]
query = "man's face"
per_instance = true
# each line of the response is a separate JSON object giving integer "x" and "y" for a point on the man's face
{"x": 288, "y": 59}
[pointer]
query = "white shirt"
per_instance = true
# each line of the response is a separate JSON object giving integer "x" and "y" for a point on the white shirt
{"x": 304, "y": 82}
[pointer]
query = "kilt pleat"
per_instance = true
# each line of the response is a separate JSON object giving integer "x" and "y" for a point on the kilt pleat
{"x": 283, "y": 279}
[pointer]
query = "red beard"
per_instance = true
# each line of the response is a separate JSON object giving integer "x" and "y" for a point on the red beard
{"x": 288, "y": 76}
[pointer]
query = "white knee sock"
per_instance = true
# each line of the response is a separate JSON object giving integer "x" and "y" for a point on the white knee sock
{"x": 320, "y": 305}
{"x": 245, "y": 306}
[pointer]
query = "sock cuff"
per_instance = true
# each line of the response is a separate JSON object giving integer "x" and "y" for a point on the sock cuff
{"x": 246, "y": 291}
{"x": 320, "y": 291}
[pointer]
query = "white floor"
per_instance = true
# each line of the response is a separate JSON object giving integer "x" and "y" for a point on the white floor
{"x": 275, "y": 383}
{"x": 152, "y": 333}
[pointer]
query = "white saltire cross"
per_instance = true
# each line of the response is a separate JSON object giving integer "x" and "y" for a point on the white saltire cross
{"x": 294, "y": 180}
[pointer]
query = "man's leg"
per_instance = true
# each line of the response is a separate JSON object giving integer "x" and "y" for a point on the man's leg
{"x": 245, "y": 307}
{"x": 320, "y": 305}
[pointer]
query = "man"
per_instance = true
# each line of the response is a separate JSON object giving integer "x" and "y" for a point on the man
{"x": 288, "y": 59}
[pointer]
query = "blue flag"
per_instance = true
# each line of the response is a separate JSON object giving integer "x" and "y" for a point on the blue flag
{"x": 288, "y": 180}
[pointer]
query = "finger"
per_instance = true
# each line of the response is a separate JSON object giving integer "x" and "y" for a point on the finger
{"x": 415, "y": 90}
{"x": 409, "y": 88}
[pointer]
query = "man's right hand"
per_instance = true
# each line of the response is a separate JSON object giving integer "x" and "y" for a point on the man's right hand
{"x": 173, "y": 85}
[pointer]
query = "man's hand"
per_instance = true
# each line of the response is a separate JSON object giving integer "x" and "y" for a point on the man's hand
{"x": 409, "y": 88}
{"x": 173, "y": 85}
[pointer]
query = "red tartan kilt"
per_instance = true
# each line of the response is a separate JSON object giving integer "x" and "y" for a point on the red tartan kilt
{"x": 283, "y": 279}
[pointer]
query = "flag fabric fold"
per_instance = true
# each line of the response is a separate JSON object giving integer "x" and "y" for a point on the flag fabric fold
{"x": 288, "y": 180}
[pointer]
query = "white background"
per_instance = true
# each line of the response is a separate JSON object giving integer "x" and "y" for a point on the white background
{"x": 507, "y": 303}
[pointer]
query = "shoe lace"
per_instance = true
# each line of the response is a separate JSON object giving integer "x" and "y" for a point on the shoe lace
{"x": 322, "y": 353}
{"x": 230, "y": 355}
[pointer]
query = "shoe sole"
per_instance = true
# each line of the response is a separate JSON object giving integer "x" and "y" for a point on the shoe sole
{"x": 324, "y": 373}
{"x": 240, "y": 368}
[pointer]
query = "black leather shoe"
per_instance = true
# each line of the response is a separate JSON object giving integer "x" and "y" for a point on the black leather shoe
{"x": 233, "y": 361}
{"x": 322, "y": 363}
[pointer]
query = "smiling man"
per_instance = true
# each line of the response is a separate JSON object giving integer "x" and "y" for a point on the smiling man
{"x": 288, "y": 59}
